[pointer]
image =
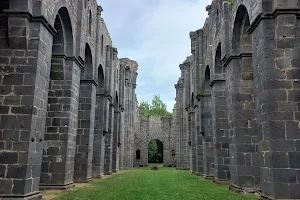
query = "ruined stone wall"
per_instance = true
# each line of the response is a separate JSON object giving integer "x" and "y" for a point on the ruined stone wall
{"x": 62, "y": 97}
{"x": 245, "y": 58}
{"x": 155, "y": 128}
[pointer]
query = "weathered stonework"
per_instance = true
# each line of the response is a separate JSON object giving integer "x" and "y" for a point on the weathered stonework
{"x": 63, "y": 97}
{"x": 155, "y": 128}
{"x": 245, "y": 90}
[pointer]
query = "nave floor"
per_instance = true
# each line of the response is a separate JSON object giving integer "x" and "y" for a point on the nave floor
{"x": 145, "y": 184}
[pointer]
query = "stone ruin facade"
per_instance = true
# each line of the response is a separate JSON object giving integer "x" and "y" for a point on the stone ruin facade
{"x": 155, "y": 128}
{"x": 67, "y": 103}
{"x": 238, "y": 98}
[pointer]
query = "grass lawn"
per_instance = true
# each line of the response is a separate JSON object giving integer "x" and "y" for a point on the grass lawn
{"x": 144, "y": 184}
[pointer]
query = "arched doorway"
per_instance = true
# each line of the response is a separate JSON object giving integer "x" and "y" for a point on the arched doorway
{"x": 155, "y": 151}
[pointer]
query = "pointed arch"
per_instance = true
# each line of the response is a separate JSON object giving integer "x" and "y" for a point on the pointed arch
{"x": 192, "y": 100}
{"x": 117, "y": 101}
{"x": 218, "y": 61}
{"x": 90, "y": 22}
{"x": 100, "y": 77}
{"x": 87, "y": 72}
{"x": 207, "y": 78}
{"x": 241, "y": 39}
{"x": 102, "y": 45}
{"x": 67, "y": 34}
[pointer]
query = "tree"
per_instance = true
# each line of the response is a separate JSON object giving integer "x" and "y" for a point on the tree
{"x": 155, "y": 152}
{"x": 152, "y": 151}
{"x": 157, "y": 108}
{"x": 144, "y": 108}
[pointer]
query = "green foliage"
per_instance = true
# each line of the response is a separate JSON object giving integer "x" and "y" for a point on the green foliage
{"x": 145, "y": 184}
{"x": 157, "y": 108}
{"x": 155, "y": 152}
{"x": 230, "y": 3}
{"x": 152, "y": 150}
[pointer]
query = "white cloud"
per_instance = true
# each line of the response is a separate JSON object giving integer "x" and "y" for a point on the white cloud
{"x": 156, "y": 34}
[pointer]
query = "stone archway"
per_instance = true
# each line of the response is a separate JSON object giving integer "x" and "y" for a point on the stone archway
{"x": 155, "y": 152}
{"x": 158, "y": 129}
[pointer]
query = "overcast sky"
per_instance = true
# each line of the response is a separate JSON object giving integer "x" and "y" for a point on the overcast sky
{"x": 155, "y": 33}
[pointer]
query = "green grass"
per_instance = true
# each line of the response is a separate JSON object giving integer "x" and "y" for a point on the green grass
{"x": 145, "y": 184}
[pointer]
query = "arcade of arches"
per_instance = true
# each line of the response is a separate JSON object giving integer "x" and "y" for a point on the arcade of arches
{"x": 68, "y": 108}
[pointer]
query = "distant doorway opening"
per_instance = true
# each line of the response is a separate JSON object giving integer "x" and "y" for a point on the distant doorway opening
{"x": 155, "y": 152}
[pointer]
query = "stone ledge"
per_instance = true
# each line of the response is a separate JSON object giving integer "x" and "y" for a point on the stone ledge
{"x": 238, "y": 189}
{"x": 34, "y": 196}
{"x": 221, "y": 182}
{"x": 83, "y": 180}
{"x": 57, "y": 187}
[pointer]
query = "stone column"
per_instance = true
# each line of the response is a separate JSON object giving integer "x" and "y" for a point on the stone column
{"x": 193, "y": 140}
{"x": 61, "y": 125}
{"x": 115, "y": 151}
{"x": 178, "y": 123}
{"x": 206, "y": 130}
{"x": 98, "y": 146}
{"x": 199, "y": 140}
{"x": 85, "y": 131}
{"x": 220, "y": 130}
{"x": 25, "y": 65}
{"x": 276, "y": 76}
{"x": 109, "y": 142}
{"x": 242, "y": 125}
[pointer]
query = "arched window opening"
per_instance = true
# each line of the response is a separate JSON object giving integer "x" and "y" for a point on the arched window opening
{"x": 100, "y": 77}
{"x": 218, "y": 61}
{"x": 241, "y": 42}
{"x": 207, "y": 78}
{"x": 87, "y": 71}
{"x": 138, "y": 154}
{"x": 155, "y": 152}
{"x": 117, "y": 101}
{"x": 217, "y": 21}
{"x": 173, "y": 155}
{"x": 90, "y": 23}
{"x": 102, "y": 43}
{"x": 58, "y": 40}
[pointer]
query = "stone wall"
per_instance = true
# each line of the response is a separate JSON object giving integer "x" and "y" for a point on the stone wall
{"x": 64, "y": 97}
{"x": 155, "y": 128}
{"x": 245, "y": 60}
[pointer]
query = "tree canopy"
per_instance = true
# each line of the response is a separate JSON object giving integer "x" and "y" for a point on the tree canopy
{"x": 156, "y": 108}
{"x": 156, "y": 151}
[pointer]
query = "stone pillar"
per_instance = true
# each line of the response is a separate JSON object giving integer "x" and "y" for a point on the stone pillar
{"x": 23, "y": 104}
{"x": 85, "y": 131}
{"x": 199, "y": 140}
{"x": 178, "y": 123}
{"x": 242, "y": 125}
{"x": 220, "y": 131}
{"x": 193, "y": 140}
{"x": 121, "y": 141}
{"x": 185, "y": 145}
{"x": 206, "y": 130}
{"x": 109, "y": 142}
{"x": 61, "y": 126}
{"x": 276, "y": 76}
{"x": 98, "y": 146}
{"x": 115, "y": 151}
